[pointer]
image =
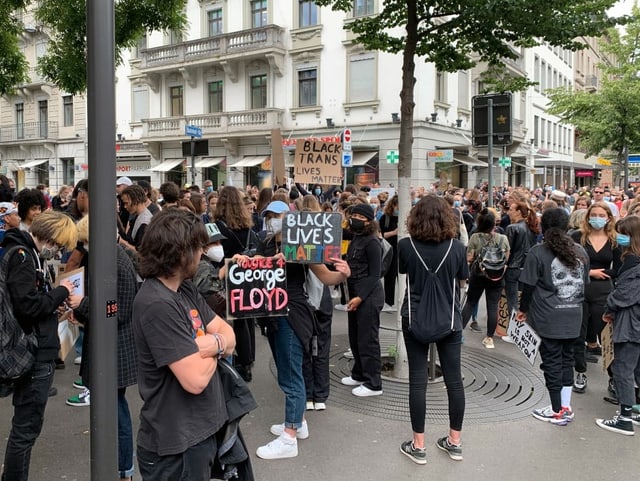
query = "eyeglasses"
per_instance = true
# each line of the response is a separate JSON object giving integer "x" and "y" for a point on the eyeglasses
{"x": 598, "y": 192}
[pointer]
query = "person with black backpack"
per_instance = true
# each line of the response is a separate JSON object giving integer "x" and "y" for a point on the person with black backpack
{"x": 436, "y": 267}
{"x": 487, "y": 254}
{"x": 33, "y": 302}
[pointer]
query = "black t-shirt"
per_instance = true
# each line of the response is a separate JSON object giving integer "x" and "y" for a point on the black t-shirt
{"x": 165, "y": 323}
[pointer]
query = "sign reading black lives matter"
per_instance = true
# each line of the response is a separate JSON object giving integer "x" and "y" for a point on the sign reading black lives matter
{"x": 256, "y": 287}
{"x": 312, "y": 237}
{"x": 318, "y": 162}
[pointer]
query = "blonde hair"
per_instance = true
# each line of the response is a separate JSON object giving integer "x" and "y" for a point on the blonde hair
{"x": 55, "y": 227}
{"x": 83, "y": 229}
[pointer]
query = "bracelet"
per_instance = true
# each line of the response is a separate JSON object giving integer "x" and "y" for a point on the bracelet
{"x": 220, "y": 348}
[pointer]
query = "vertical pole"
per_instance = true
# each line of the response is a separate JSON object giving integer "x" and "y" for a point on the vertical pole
{"x": 490, "y": 152}
{"x": 344, "y": 179}
{"x": 101, "y": 121}
{"x": 193, "y": 161}
{"x": 626, "y": 168}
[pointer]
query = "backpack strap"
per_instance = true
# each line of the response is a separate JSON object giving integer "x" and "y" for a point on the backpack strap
{"x": 422, "y": 260}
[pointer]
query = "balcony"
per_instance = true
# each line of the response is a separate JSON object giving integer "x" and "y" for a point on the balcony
{"x": 218, "y": 125}
{"x": 265, "y": 42}
{"x": 591, "y": 83}
{"x": 29, "y": 131}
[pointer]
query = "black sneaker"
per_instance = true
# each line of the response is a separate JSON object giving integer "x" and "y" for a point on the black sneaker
{"x": 453, "y": 450}
{"x": 417, "y": 455}
{"x": 474, "y": 327}
{"x": 580, "y": 383}
{"x": 617, "y": 424}
{"x": 596, "y": 351}
{"x": 59, "y": 363}
{"x": 588, "y": 357}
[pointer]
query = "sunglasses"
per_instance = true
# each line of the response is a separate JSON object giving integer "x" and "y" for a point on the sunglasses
{"x": 598, "y": 192}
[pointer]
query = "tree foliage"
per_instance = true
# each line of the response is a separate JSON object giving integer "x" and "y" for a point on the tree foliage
{"x": 608, "y": 119}
{"x": 65, "y": 63}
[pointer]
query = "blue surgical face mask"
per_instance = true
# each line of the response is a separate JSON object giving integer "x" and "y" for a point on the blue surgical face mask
{"x": 317, "y": 191}
{"x": 414, "y": 201}
{"x": 396, "y": 212}
{"x": 607, "y": 199}
{"x": 597, "y": 222}
{"x": 456, "y": 203}
{"x": 623, "y": 240}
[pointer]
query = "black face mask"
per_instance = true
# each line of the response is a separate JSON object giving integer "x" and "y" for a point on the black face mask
{"x": 357, "y": 225}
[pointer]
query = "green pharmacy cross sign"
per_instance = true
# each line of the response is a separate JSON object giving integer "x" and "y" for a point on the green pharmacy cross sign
{"x": 392, "y": 157}
{"x": 504, "y": 162}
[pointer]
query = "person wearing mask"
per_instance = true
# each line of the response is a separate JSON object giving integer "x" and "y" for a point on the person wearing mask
{"x": 211, "y": 271}
{"x": 366, "y": 298}
{"x": 9, "y": 219}
{"x": 389, "y": 230}
{"x": 318, "y": 192}
{"x": 35, "y": 302}
{"x": 601, "y": 194}
{"x": 207, "y": 187}
{"x": 553, "y": 279}
{"x": 597, "y": 235}
{"x": 433, "y": 230}
{"x": 623, "y": 311}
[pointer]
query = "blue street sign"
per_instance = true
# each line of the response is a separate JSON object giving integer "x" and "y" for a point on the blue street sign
{"x": 193, "y": 131}
{"x": 634, "y": 158}
{"x": 347, "y": 159}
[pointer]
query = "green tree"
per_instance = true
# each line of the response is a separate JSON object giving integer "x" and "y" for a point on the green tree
{"x": 608, "y": 119}
{"x": 65, "y": 63}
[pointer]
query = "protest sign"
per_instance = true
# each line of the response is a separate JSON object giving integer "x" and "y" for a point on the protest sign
{"x": 256, "y": 287}
{"x": 311, "y": 237}
{"x": 68, "y": 331}
{"x": 318, "y": 162}
{"x": 525, "y": 338}
{"x": 606, "y": 339}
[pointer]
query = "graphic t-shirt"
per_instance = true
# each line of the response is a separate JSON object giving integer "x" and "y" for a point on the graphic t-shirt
{"x": 166, "y": 324}
{"x": 556, "y": 306}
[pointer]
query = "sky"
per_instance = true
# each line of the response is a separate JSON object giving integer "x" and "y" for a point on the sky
{"x": 621, "y": 8}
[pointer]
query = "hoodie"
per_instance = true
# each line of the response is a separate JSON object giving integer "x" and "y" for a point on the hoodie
{"x": 624, "y": 302}
{"x": 33, "y": 300}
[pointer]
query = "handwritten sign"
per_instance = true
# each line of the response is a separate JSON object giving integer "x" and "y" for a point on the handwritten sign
{"x": 311, "y": 237}
{"x": 256, "y": 287}
{"x": 606, "y": 339}
{"x": 318, "y": 162}
{"x": 525, "y": 338}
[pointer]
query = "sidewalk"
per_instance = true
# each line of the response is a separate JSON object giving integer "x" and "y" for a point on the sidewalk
{"x": 349, "y": 445}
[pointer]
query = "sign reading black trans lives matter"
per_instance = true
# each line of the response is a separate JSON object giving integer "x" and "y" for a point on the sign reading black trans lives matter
{"x": 311, "y": 237}
{"x": 318, "y": 162}
{"x": 256, "y": 287}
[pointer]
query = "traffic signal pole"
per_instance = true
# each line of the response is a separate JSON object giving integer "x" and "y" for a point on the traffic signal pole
{"x": 490, "y": 153}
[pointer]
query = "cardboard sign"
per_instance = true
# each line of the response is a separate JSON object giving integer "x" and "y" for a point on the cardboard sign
{"x": 503, "y": 316}
{"x": 311, "y": 237}
{"x": 606, "y": 339}
{"x": 68, "y": 332}
{"x": 318, "y": 162}
{"x": 277, "y": 157}
{"x": 525, "y": 338}
{"x": 256, "y": 288}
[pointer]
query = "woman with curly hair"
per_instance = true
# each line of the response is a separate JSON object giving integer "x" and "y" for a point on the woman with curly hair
{"x": 433, "y": 230}
{"x": 553, "y": 279}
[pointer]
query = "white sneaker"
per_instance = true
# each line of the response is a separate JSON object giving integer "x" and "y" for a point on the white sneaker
{"x": 507, "y": 339}
{"x": 349, "y": 381}
{"x": 301, "y": 433}
{"x": 280, "y": 448}
{"x": 488, "y": 343}
{"x": 364, "y": 391}
{"x": 310, "y": 406}
{"x": 340, "y": 307}
{"x": 320, "y": 406}
{"x": 348, "y": 354}
{"x": 388, "y": 308}
{"x": 78, "y": 360}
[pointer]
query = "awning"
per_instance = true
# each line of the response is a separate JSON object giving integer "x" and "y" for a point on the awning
{"x": 361, "y": 158}
{"x": 470, "y": 161}
{"x": 251, "y": 161}
{"x": 209, "y": 162}
{"x": 32, "y": 163}
{"x": 166, "y": 166}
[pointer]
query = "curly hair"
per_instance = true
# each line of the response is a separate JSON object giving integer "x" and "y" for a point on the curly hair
{"x": 554, "y": 226}
{"x": 609, "y": 228}
{"x": 391, "y": 206}
{"x": 174, "y": 238}
{"x": 432, "y": 219}
{"x": 230, "y": 209}
{"x": 136, "y": 194}
{"x": 28, "y": 198}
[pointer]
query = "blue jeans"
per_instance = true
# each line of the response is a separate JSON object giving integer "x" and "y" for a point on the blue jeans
{"x": 287, "y": 351}
{"x": 125, "y": 436}
{"x": 192, "y": 465}
{"x": 30, "y": 395}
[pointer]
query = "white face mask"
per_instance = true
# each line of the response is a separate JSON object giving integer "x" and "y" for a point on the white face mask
{"x": 275, "y": 226}
{"x": 215, "y": 253}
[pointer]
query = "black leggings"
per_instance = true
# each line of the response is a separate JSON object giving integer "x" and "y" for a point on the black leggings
{"x": 449, "y": 353}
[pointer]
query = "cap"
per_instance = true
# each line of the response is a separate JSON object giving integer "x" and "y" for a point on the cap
{"x": 558, "y": 194}
{"x": 7, "y": 208}
{"x": 277, "y": 207}
{"x": 124, "y": 181}
{"x": 214, "y": 233}
{"x": 364, "y": 210}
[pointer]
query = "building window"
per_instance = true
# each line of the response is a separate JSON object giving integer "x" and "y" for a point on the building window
{"x": 175, "y": 37}
{"x": 176, "y": 95}
{"x": 536, "y": 129}
{"x": 43, "y": 118}
{"x": 362, "y": 78}
{"x": 141, "y": 44}
{"x": 214, "y": 22}
{"x": 543, "y": 76}
{"x": 307, "y": 87}
{"x": 308, "y": 13}
{"x": 259, "y": 92}
{"x": 463, "y": 90}
{"x": 67, "y": 171}
{"x": 536, "y": 73}
{"x": 67, "y": 107}
{"x": 20, "y": 121}
{"x": 215, "y": 97}
{"x": 441, "y": 87}
{"x": 258, "y": 13}
{"x": 362, "y": 8}
{"x": 139, "y": 103}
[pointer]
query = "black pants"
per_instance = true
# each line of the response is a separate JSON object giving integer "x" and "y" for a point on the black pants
{"x": 30, "y": 395}
{"x": 626, "y": 371}
{"x": 193, "y": 465}
{"x": 557, "y": 366}
{"x": 245, "y": 332}
{"x": 390, "y": 280}
{"x": 364, "y": 340}
{"x": 493, "y": 291}
{"x": 595, "y": 300}
{"x": 316, "y": 368}
{"x": 449, "y": 352}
